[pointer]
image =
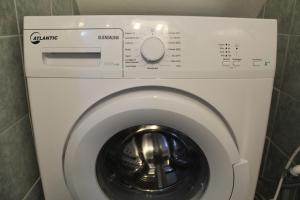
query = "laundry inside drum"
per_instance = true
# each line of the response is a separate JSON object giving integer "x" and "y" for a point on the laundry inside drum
{"x": 152, "y": 162}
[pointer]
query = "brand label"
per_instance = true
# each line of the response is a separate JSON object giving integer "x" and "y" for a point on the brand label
{"x": 108, "y": 37}
{"x": 36, "y": 37}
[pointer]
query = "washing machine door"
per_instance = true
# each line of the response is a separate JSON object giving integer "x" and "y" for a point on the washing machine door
{"x": 153, "y": 144}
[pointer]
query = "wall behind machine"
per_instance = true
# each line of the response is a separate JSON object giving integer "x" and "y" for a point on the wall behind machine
{"x": 283, "y": 135}
{"x": 19, "y": 174}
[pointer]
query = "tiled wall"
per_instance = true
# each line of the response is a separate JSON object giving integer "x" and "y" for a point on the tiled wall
{"x": 284, "y": 124}
{"x": 19, "y": 174}
{"x": 19, "y": 177}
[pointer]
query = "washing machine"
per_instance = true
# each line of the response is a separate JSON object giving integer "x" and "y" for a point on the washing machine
{"x": 149, "y": 107}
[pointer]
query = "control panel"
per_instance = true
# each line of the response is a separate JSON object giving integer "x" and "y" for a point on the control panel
{"x": 150, "y": 47}
{"x": 231, "y": 56}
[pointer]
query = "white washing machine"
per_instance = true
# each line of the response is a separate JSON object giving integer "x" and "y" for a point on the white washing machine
{"x": 149, "y": 107}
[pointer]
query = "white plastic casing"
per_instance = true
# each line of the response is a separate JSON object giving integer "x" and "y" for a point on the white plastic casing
{"x": 73, "y": 62}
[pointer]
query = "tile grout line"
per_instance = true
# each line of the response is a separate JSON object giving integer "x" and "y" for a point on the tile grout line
{"x": 283, "y": 34}
{"x": 276, "y": 109}
{"x": 51, "y": 7}
{"x": 17, "y": 17}
{"x": 19, "y": 31}
{"x": 72, "y": 7}
{"x": 12, "y": 125}
{"x": 31, "y": 188}
{"x": 21, "y": 50}
{"x": 288, "y": 34}
{"x": 8, "y": 36}
{"x": 23, "y": 67}
{"x": 279, "y": 149}
{"x": 290, "y": 96}
{"x": 276, "y": 89}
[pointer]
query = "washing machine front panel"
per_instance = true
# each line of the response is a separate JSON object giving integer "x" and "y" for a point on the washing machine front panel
{"x": 83, "y": 58}
{"x": 157, "y": 126}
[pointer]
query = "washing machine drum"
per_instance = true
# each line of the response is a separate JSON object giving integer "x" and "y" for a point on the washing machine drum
{"x": 153, "y": 144}
{"x": 152, "y": 160}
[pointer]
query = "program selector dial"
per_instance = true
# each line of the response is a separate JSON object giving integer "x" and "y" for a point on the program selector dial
{"x": 153, "y": 49}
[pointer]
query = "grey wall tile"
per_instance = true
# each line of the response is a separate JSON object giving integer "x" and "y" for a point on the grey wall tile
{"x": 12, "y": 85}
{"x": 62, "y": 7}
{"x": 261, "y": 14}
{"x": 18, "y": 169}
{"x": 291, "y": 79}
{"x": 36, "y": 193}
{"x": 296, "y": 19}
{"x": 282, "y": 10}
{"x": 297, "y": 195}
{"x": 8, "y": 22}
{"x": 276, "y": 162}
{"x": 32, "y": 8}
{"x": 287, "y": 194}
{"x": 282, "y": 44}
{"x": 18, "y": 165}
{"x": 287, "y": 127}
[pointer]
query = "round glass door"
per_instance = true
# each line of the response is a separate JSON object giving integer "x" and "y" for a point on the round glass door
{"x": 152, "y": 162}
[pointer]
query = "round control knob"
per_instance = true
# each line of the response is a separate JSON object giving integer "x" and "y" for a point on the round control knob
{"x": 152, "y": 49}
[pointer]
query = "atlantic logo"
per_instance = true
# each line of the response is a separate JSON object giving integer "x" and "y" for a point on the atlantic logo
{"x": 36, "y": 37}
{"x": 108, "y": 37}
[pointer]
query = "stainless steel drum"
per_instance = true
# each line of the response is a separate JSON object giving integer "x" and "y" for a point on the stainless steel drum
{"x": 151, "y": 162}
